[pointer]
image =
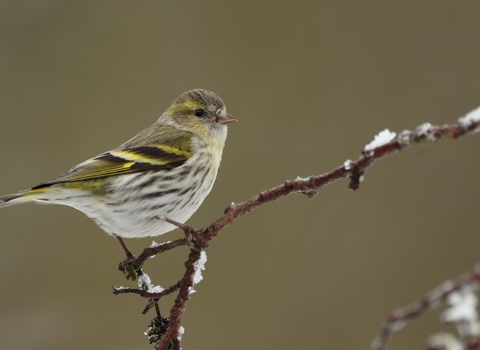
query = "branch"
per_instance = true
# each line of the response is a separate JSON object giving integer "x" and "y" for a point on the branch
{"x": 385, "y": 144}
{"x": 355, "y": 170}
{"x": 399, "y": 317}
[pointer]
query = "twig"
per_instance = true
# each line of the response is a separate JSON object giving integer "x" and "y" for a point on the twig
{"x": 144, "y": 293}
{"x": 398, "y": 318}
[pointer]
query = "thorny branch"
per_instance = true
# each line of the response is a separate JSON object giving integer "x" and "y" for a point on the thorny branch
{"x": 198, "y": 239}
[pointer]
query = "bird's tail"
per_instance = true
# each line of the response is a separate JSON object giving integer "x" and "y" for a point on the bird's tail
{"x": 20, "y": 197}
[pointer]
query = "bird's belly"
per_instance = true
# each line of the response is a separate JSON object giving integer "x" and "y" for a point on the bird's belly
{"x": 134, "y": 215}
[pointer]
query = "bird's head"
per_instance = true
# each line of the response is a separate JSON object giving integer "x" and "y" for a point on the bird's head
{"x": 200, "y": 111}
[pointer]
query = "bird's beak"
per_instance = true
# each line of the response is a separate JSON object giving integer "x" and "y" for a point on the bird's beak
{"x": 224, "y": 118}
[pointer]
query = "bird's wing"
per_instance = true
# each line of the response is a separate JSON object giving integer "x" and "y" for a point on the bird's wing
{"x": 124, "y": 161}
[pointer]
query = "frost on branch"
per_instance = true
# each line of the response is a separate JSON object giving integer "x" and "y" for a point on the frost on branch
{"x": 443, "y": 341}
{"x": 199, "y": 266}
{"x": 470, "y": 118}
{"x": 382, "y": 138}
{"x": 145, "y": 283}
{"x": 463, "y": 312}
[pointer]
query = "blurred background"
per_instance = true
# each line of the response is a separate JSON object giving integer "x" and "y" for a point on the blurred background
{"x": 311, "y": 82}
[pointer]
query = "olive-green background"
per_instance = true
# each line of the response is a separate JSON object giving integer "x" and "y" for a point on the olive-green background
{"x": 311, "y": 82}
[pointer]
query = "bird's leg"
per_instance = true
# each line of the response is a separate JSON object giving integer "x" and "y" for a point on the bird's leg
{"x": 126, "y": 265}
{"x": 127, "y": 251}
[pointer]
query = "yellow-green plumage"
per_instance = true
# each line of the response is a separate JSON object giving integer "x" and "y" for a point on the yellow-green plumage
{"x": 166, "y": 170}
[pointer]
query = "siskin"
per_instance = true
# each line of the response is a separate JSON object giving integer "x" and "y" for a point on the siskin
{"x": 166, "y": 170}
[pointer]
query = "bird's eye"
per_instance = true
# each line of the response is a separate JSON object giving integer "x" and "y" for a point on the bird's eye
{"x": 200, "y": 112}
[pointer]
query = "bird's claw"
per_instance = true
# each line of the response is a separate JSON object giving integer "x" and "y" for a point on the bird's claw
{"x": 129, "y": 270}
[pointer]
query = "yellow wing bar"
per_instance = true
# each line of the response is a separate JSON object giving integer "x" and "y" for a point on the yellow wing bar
{"x": 124, "y": 161}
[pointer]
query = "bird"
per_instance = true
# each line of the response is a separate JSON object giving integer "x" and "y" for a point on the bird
{"x": 165, "y": 171}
